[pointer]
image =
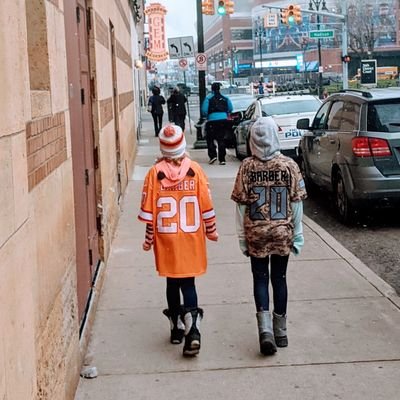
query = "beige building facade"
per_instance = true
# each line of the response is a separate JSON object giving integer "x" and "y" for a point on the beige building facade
{"x": 68, "y": 129}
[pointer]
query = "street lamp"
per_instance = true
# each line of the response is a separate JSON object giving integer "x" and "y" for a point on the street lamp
{"x": 314, "y": 6}
{"x": 259, "y": 33}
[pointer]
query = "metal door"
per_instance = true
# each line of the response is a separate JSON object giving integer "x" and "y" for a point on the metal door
{"x": 83, "y": 150}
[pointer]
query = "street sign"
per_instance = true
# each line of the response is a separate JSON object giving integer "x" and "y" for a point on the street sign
{"x": 270, "y": 20}
{"x": 183, "y": 63}
{"x": 201, "y": 62}
{"x": 368, "y": 73}
{"x": 181, "y": 47}
{"x": 322, "y": 34}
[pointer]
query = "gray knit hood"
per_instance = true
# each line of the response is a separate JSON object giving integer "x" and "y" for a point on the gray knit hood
{"x": 264, "y": 142}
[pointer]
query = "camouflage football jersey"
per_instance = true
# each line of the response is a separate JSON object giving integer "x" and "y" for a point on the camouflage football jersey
{"x": 268, "y": 188}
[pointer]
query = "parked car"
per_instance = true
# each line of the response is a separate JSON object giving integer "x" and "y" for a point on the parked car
{"x": 240, "y": 102}
{"x": 285, "y": 110}
{"x": 352, "y": 148}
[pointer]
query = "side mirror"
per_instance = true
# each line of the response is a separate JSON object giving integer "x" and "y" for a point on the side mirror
{"x": 303, "y": 123}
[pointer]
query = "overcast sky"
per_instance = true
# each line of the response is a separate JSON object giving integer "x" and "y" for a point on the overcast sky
{"x": 180, "y": 18}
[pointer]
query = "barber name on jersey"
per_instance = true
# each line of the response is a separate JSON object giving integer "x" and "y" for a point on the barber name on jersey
{"x": 184, "y": 186}
{"x": 269, "y": 176}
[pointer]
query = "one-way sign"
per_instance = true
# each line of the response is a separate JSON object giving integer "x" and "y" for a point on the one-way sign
{"x": 181, "y": 47}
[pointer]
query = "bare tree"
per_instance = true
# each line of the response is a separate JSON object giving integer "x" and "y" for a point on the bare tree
{"x": 369, "y": 28}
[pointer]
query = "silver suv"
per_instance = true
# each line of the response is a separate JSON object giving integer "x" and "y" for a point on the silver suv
{"x": 352, "y": 148}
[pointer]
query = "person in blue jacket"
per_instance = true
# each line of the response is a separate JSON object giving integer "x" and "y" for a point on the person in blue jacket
{"x": 216, "y": 109}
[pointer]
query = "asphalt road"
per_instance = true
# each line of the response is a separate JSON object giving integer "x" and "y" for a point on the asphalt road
{"x": 374, "y": 238}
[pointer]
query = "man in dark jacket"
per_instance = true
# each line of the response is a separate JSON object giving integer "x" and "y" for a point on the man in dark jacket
{"x": 177, "y": 108}
{"x": 216, "y": 109}
{"x": 155, "y": 106}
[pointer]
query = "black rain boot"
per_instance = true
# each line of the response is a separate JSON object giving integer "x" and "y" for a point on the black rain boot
{"x": 280, "y": 331}
{"x": 177, "y": 326}
{"x": 265, "y": 333}
{"x": 192, "y": 320}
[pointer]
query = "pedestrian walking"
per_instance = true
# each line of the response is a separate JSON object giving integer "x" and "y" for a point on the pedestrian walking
{"x": 179, "y": 215}
{"x": 176, "y": 105}
{"x": 155, "y": 106}
{"x": 269, "y": 190}
{"x": 216, "y": 109}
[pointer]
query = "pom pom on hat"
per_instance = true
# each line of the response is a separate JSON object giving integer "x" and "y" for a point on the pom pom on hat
{"x": 172, "y": 141}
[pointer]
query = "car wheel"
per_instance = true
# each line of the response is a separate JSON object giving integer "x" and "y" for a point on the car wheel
{"x": 344, "y": 208}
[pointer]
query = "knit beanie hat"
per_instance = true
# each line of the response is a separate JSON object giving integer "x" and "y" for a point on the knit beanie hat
{"x": 264, "y": 141}
{"x": 172, "y": 141}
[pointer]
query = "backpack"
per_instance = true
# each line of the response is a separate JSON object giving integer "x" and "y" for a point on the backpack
{"x": 218, "y": 103}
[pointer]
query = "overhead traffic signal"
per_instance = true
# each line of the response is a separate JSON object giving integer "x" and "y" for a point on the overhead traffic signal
{"x": 221, "y": 10}
{"x": 298, "y": 18}
{"x": 229, "y": 6}
{"x": 290, "y": 15}
{"x": 207, "y": 7}
{"x": 283, "y": 15}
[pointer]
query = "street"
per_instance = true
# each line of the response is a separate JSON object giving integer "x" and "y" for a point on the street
{"x": 374, "y": 239}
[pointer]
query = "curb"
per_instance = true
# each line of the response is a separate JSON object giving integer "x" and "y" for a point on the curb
{"x": 383, "y": 287}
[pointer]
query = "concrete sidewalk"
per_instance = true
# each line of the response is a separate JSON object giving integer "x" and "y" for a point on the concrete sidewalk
{"x": 343, "y": 320}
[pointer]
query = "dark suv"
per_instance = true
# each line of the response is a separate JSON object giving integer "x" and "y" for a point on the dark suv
{"x": 352, "y": 148}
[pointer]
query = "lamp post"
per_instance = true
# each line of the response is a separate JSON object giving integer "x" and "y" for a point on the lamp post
{"x": 314, "y": 5}
{"x": 230, "y": 52}
{"x": 259, "y": 33}
{"x": 200, "y": 143}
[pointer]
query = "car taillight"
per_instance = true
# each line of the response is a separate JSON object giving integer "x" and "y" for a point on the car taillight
{"x": 370, "y": 147}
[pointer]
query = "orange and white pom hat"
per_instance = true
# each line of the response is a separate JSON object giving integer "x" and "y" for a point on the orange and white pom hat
{"x": 172, "y": 141}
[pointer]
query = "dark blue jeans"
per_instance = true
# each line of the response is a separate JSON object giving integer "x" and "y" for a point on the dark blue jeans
{"x": 188, "y": 288}
{"x": 259, "y": 268}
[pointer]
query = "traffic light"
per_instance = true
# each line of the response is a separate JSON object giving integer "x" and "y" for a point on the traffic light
{"x": 283, "y": 15}
{"x": 346, "y": 58}
{"x": 290, "y": 15}
{"x": 298, "y": 18}
{"x": 221, "y": 10}
{"x": 207, "y": 7}
{"x": 229, "y": 6}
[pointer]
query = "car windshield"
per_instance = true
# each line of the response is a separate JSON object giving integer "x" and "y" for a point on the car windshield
{"x": 384, "y": 116}
{"x": 291, "y": 107}
{"x": 241, "y": 103}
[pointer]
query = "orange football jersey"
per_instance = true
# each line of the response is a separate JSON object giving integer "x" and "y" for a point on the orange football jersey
{"x": 178, "y": 215}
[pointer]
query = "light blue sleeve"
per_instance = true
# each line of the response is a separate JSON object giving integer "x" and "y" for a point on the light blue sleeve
{"x": 298, "y": 238}
{"x": 240, "y": 211}
{"x": 204, "y": 107}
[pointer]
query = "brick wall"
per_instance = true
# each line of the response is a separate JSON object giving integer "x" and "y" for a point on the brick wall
{"x": 46, "y": 147}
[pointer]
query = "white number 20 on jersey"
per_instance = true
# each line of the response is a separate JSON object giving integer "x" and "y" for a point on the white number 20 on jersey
{"x": 179, "y": 207}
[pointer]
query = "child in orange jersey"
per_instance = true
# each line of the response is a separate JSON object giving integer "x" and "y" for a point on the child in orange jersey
{"x": 177, "y": 209}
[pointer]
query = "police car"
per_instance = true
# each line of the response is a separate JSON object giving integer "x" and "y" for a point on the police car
{"x": 285, "y": 109}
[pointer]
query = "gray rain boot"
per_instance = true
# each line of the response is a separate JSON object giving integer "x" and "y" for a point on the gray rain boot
{"x": 267, "y": 341}
{"x": 192, "y": 320}
{"x": 177, "y": 326}
{"x": 280, "y": 332}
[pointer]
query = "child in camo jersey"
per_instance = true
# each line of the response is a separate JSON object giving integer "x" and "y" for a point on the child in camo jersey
{"x": 269, "y": 190}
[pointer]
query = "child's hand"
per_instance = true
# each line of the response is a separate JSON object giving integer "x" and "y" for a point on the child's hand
{"x": 213, "y": 236}
{"x": 146, "y": 246}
